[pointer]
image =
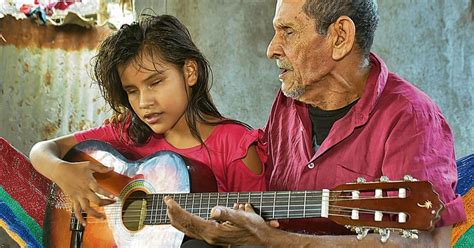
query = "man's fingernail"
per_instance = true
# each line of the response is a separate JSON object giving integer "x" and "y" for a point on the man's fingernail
{"x": 216, "y": 212}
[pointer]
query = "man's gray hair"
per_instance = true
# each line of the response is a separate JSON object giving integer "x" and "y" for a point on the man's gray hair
{"x": 362, "y": 12}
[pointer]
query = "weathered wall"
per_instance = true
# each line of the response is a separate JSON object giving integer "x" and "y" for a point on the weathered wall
{"x": 45, "y": 87}
{"x": 431, "y": 43}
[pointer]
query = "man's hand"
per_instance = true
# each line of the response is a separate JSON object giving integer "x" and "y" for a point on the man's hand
{"x": 77, "y": 181}
{"x": 237, "y": 226}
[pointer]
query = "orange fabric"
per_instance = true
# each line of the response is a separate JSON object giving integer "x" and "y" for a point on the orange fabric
{"x": 460, "y": 228}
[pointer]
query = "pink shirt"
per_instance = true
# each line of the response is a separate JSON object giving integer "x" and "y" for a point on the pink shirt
{"x": 393, "y": 130}
{"x": 227, "y": 144}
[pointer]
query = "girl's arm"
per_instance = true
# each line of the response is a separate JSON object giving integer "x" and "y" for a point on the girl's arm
{"x": 252, "y": 161}
{"x": 75, "y": 179}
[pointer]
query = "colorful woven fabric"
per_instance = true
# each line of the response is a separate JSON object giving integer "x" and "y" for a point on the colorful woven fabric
{"x": 23, "y": 194}
{"x": 463, "y": 233}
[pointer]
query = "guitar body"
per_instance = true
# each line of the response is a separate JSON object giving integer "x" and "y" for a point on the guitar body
{"x": 162, "y": 172}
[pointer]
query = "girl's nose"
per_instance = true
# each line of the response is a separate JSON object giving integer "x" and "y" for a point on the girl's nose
{"x": 146, "y": 99}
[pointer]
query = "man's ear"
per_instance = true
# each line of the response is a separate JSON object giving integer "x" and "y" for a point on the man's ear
{"x": 343, "y": 33}
{"x": 190, "y": 71}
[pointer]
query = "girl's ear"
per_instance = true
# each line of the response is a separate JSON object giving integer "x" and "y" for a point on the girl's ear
{"x": 190, "y": 71}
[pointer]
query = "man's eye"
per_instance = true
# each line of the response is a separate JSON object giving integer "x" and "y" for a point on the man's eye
{"x": 155, "y": 83}
{"x": 288, "y": 31}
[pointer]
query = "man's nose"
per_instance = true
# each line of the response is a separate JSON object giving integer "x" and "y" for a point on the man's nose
{"x": 274, "y": 50}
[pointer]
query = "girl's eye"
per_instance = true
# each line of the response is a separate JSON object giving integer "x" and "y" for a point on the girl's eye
{"x": 130, "y": 91}
{"x": 155, "y": 83}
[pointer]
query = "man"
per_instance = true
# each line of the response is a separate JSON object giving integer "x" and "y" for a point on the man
{"x": 340, "y": 115}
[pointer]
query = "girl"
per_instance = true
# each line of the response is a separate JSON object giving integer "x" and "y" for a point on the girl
{"x": 153, "y": 70}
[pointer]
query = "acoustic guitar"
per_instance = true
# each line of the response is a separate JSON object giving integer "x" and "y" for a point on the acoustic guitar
{"x": 138, "y": 218}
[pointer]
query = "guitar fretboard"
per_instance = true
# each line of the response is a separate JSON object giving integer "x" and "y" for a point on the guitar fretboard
{"x": 270, "y": 205}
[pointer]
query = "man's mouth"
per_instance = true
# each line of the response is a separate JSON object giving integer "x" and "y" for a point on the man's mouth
{"x": 283, "y": 71}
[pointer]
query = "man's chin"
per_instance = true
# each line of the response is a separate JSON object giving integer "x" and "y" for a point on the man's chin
{"x": 294, "y": 93}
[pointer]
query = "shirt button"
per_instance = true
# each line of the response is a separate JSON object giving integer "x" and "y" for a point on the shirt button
{"x": 311, "y": 165}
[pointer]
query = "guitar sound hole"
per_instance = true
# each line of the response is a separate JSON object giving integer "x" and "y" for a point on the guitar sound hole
{"x": 134, "y": 211}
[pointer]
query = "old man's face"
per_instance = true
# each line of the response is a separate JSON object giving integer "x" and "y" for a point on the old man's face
{"x": 301, "y": 53}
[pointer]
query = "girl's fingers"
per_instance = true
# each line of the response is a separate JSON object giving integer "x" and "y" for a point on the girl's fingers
{"x": 101, "y": 191}
{"x": 78, "y": 212}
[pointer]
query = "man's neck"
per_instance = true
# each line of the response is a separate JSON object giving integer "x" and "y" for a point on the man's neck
{"x": 344, "y": 85}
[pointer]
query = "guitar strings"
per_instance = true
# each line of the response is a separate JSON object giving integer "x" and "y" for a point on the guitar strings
{"x": 278, "y": 214}
{"x": 163, "y": 219}
{"x": 117, "y": 209}
{"x": 254, "y": 194}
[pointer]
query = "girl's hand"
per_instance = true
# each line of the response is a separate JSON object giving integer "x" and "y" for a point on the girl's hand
{"x": 77, "y": 181}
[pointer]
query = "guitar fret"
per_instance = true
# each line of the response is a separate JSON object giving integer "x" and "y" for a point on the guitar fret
{"x": 186, "y": 202}
{"x": 153, "y": 207}
{"x": 157, "y": 216}
{"x": 200, "y": 205}
{"x": 274, "y": 202}
{"x": 208, "y": 212}
{"x": 289, "y": 201}
{"x": 192, "y": 204}
{"x": 304, "y": 205}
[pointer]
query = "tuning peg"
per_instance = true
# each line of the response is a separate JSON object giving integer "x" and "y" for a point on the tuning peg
{"x": 361, "y": 232}
{"x": 411, "y": 234}
{"x": 361, "y": 180}
{"x": 409, "y": 178}
{"x": 384, "y": 234}
{"x": 384, "y": 179}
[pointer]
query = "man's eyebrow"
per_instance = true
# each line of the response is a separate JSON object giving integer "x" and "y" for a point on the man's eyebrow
{"x": 283, "y": 25}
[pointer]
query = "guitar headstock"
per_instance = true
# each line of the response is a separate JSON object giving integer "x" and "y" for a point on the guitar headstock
{"x": 406, "y": 206}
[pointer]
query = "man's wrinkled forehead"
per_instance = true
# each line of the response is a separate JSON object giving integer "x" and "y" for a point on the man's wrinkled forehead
{"x": 288, "y": 12}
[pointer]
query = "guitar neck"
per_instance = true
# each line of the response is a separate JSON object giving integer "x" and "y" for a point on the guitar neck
{"x": 270, "y": 205}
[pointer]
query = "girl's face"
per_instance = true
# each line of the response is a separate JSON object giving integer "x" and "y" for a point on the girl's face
{"x": 158, "y": 93}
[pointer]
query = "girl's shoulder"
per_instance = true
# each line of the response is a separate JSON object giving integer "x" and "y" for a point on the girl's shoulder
{"x": 231, "y": 129}
{"x": 233, "y": 134}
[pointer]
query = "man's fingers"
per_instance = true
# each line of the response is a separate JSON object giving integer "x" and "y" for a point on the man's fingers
{"x": 226, "y": 214}
{"x": 170, "y": 203}
{"x": 274, "y": 223}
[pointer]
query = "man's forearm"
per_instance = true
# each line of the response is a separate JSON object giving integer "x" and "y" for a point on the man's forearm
{"x": 438, "y": 238}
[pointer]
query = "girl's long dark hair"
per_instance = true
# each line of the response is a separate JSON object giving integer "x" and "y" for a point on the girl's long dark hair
{"x": 162, "y": 37}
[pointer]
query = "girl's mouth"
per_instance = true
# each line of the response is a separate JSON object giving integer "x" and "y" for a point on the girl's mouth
{"x": 152, "y": 118}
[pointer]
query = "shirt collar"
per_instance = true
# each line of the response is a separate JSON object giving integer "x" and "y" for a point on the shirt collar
{"x": 373, "y": 89}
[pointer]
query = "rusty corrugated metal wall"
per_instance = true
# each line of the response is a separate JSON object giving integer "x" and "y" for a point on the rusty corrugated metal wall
{"x": 45, "y": 83}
